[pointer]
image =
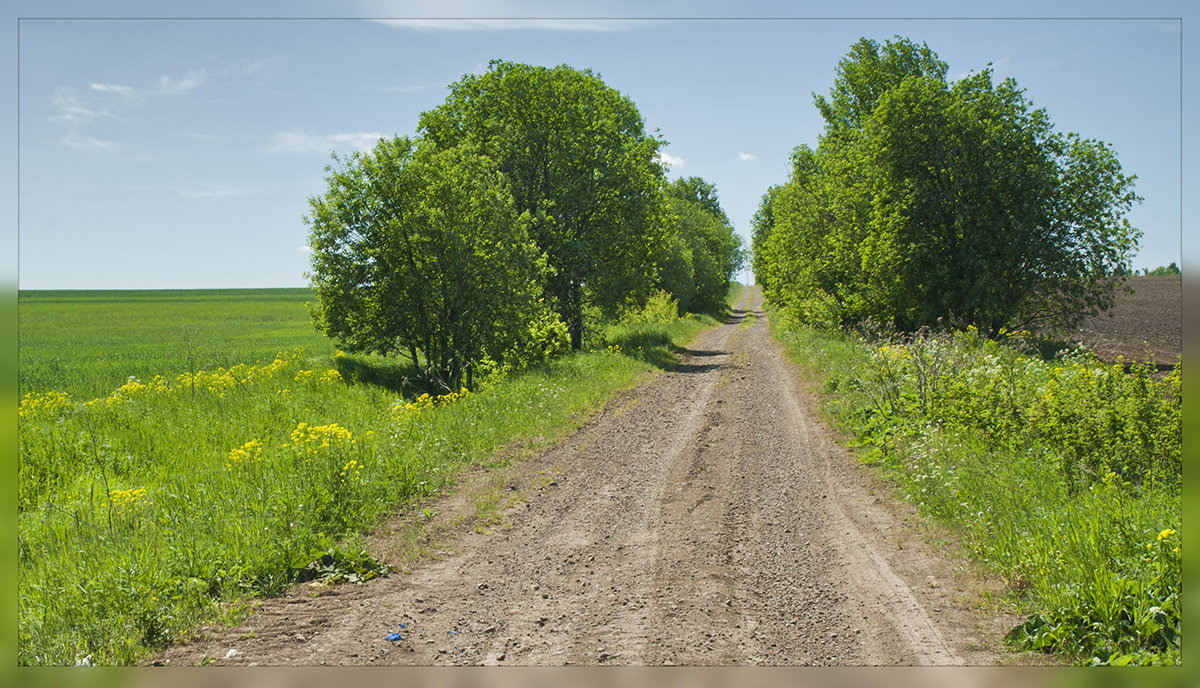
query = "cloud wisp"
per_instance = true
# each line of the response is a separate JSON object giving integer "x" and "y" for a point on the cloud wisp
{"x": 119, "y": 89}
{"x": 303, "y": 142}
{"x": 99, "y": 100}
{"x": 747, "y": 157}
{"x": 671, "y": 160}
{"x": 75, "y": 113}
{"x": 69, "y": 108}
{"x": 212, "y": 191}
{"x": 184, "y": 84}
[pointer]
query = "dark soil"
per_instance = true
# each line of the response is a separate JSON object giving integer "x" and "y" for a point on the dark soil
{"x": 1148, "y": 320}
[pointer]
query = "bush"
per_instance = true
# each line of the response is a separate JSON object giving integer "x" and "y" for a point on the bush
{"x": 659, "y": 308}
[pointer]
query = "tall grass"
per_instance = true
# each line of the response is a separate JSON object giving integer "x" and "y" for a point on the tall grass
{"x": 1063, "y": 476}
{"x": 159, "y": 504}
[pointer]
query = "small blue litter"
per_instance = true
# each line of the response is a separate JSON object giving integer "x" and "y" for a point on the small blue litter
{"x": 403, "y": 626}
{"x": 394, "y": 637}
{"x": 452, "y": 632}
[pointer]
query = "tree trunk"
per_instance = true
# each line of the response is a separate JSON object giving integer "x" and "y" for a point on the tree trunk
{"x": 575, "y": 316}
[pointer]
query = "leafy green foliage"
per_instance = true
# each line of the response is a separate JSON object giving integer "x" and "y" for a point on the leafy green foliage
{"x": 420, "y": 250}
{"x": 704, "y": 250}
{"x": 928, "y": 201}
{"x": 700, "y": 192}
{"x": 653, "y": 333}
{"x": 867, "y": 73}
{"x": 580, "y": 164}
{"x": 337, "y": 566}
{"x": 1063, "y": 476}
{"x": 705, "y": 256}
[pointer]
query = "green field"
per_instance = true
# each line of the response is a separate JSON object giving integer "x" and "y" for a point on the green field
{"x": 88, "y": 343}
{"x": 148, "y": 506}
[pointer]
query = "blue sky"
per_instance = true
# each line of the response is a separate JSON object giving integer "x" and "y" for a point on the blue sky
{"x": 180, "y": 153}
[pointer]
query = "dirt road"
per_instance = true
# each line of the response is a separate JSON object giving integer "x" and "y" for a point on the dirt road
{"x": 704, "y": 518}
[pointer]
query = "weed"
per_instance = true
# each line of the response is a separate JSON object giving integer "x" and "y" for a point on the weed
{"x": 1064, "y": 476}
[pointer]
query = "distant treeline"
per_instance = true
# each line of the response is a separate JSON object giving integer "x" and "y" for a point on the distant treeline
{"x": 1161, "y": 270}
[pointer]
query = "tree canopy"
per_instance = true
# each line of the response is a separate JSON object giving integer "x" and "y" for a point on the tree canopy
{"x": 580, "y": 164}
{"x": 420, "y": 250}
{"x": 928, "y": 200}
{"x": 705, "y": 251}
{"x": 532, "y": 197}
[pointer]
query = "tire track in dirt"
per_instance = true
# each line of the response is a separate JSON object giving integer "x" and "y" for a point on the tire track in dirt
{"x": 701, "y": 519}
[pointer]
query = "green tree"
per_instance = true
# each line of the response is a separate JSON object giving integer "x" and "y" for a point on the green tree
{"x": 869, "y": 71}
{"x": 982, "y": 212}
{"x": 580, "y": 163}
{"x": 701, "y": 193}
{"x": 420, "y": 251}
{"x": 677, "y": 270}
{"x": 762, "y": 228}
{"x": 707, "y": 241}
{"x": 927, "y": 200}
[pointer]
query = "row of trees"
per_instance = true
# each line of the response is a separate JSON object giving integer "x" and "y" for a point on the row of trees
{"x": 531, "y": 198}
{"x": 1163, "y": 270}
{"x": 927, "y": 199}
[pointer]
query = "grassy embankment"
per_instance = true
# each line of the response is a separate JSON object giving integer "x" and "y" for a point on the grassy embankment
{"x": 195, "y": 480}
{"x": 1062, "y": 476}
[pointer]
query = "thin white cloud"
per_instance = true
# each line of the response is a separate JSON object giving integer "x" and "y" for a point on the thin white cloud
{"x": 73, "y": 139}
{"x": 304, "y": 249}
{"x": 77, "y": 111}
{"x": 206, "y": 138}
{"x": 69, "y": 108}
{"x": 304, "y": 142}
{"x": 506, "y": 24}
{"x": 185, "y": 84}
{"x": 119, "y": 89}
{"x": 253, "y": 67}
{"x": 212, "y": 191}
{"x": 745, "y": 157}
{"x": 671, "y": 160}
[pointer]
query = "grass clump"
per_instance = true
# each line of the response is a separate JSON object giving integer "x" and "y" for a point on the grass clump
{"x": 1063, "y": 476}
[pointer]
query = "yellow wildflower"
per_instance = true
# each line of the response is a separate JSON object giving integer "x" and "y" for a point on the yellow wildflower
{"x": 122, "y": 499}
{"x": 316, "y": 439}
{"x": 352, "y": 467}
{"x": 1165, "y": 534}
{"x": 50, "y": 403}
{"x": 249, "y": 452}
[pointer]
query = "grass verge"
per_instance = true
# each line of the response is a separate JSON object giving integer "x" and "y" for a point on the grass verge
{"x": 169, "y": 502}
{"x": 1063, "y": 476}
